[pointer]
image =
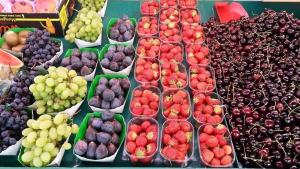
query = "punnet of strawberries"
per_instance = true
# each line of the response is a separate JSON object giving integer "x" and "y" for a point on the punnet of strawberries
{"x": 149, "y": 7}
{"x": 192, "y": 34}
{"x": 148, "y": 47}
{"x": 215, "y": 146}
{"x": 145, "y": 101}
{"x": 142, "y": 140}
{"x": 197, "y": 54}
{"x": 147, "y": 71}
{"x": 173, "y": 75}
{"x": 169, "y": 15}
{"x": 187, "y": 3}
{"x": 201, "y": 78}
{"x": 189, "y": 16}
{"x": 177, "y": 141}
{"x": 171, "y": 52}
{"x": 168, "y": 3}
{"x": 170, "y": 32}
{"x": 147, "y": 26}
{"x": 207, "y": 108}
{"x": 176, "y": 104}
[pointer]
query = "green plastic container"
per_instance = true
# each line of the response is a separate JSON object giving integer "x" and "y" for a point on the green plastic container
{"x": 83, "y": 127}
{"x": 111, "y": 23}
{"x": 93, "y": 88}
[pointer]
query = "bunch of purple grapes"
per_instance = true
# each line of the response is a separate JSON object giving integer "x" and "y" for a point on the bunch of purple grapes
{"x": 257, "y": 68}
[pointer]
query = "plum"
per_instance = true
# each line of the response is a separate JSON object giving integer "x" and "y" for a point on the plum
{"x": 114, "y": 33}
{"x": 77, "y": 65}
{"x": 80, "y": 147}
{"x": 99, "y": 89}
{"x": 74, "y": 60}
{"x": 112, "y": 48}
{"x": 117, "y": 89}
{"x": 111, "y": 149}
{"x": 127, "y": 61}
{"x": 107, "y": 115}
{"x": 119, "y": 56}
{"x": 105, "y": 63}
{"x": 109, "y": 55}
{"x": 125, "y": 83}
{"x": 93, "y": 63}
{"x": 96, "y": 123}
{"x": 117, "y": 126}
{"x": 115, "y": 103}
{"x": 113, "y": 81}
{"x": 115, "y": 139}
{"x": 86, "y": 54}
{"x": 122, "y": 28}
{"x": 103, "y": 137}
{"x": 76, "y": 52}
{"x": 90, "y": 134}
{"x": 107, "y": 127}
{"x": 92, "y": 146}
{"x": 85, "y": 61}
{"x": 127, "y": 36}
{"x": 101, "y": 151}
{"x": 120, "y": 39}
{"x": 103, "y": 80}
{"x": 121, "y": 98}
{"x": 66, "y": 61}
{"x": 114, "y": 66}
{"x": 95, "y": 101}
{"x": 85, "y": 71}
{"x": 93, "y": 56}
{"x": 128, "y": 50}
{"x": 108, "y": 95}
{"x": 105, "y": 104}
{"x": 120, "y": 48}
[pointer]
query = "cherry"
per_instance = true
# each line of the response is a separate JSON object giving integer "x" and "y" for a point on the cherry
{"x": 269, "y": 123}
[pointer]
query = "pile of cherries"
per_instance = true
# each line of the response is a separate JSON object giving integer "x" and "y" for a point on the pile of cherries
{"x": 257, "y": 68}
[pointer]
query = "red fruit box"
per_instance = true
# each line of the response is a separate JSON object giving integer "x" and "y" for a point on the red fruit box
{"x": 190, "y": 16}
{"x": 147, "y": 71}
{"x": 141, "y": 143}
{"x": 197, "y": 54}
{"x": 168, "y": 3}
{"x": 147, "y": 26}
{"x": 192, "y": 34}
{"x": 208, "y": 108}
{"x": 170, "y": 33}
{"x": 215, "y": 146}
{"x": 148, "y": 47}
{"x": 177, "y": 142}
{"x": 145, "y": 101}
{"x": 149, "y": 7}
{"x": 169, "y": 15}
{"x": 187, "y": 3}
{"x": 202, "y": 78}
{"x": 176, "y": 104}
{"x": 173, "y": 75}
{"x": 171, "y": 52}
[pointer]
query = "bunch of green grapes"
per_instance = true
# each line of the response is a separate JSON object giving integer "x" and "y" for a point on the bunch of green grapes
{"x": 86, "y": 26}
{"x": 58, "y": 90}
{"x": 44, "y": 137}
{"x": 94, "y": 5}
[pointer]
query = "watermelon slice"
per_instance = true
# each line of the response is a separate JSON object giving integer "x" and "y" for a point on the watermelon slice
{"x": 8, "y": 60}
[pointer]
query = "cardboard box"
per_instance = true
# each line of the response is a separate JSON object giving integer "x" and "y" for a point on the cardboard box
{"x": 55, "y": 22}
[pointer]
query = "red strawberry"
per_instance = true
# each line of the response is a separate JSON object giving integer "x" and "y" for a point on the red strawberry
{"x": 207, "y": 155}
{"x": 227, "y": 159}
{"x": 141, "y": 141}
{"x": 185, "y": 126}
{"x": 187, "y": 3}
{"x": 166, "y": 138}
{"x": 150, "y": 7}
{"x": 170, "y": 33}
{"x": 219, "y": 152}
{"x": 208, "y": 129}
{"x": 140, "y": 152}
{"x": 136, "y": 128}
{"x": 180, "y": 136}
{"x": 133, "y": 159}
{"x": 171, "y": 52}
{"x": 170, "y": 153}
{"x": 227, "y": 149}
{"x": 152, "y": 128}
{"x": 189, "y": 16}
{"x": 208, "y": 109}
{"x": 148, "y": 47}
{"x": 145, "y": 124}
{"x": 220, "y": 129}
{"x": 151, "y": 136}
{"x": 168, "y": 3}
{"x": 147, "y": 71}
{"x": 183, "y": 148}
{"x": 176, "y": 78}
{"x": 130, "y": 147}
{"x": 215, "y": 162}
{"x": 221, "y": 140}
{"x": 131, "y": 136}
{"x": 174, "y": 126}
{"x": 212, "y": 141}
{"x": 203, "y": 137}
{"x": 151, "y": 148}
{"x": 173, "y": 142}
{"x": 169, "y": 15}
{"x": 147, "y": 26}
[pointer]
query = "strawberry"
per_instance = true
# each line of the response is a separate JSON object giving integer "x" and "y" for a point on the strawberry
{"x": 131, "y": 136}
{"x": 140, "y": 152}
{"x": 152, "y": 128}
{"x": 168, "y": 3}
{"x": 208, "y": 129}
{"x": 208, "y": 109}
{"x": 207, "y": 155}
{"x": 136, "y": 128}
{"x": 221, "y": 140}
{"x": 185, "y": 126}
{"x": 189, "y": 16}
{"x": 215, "y": 162}
{"x": 183, "y": 148}
{"x": 147, "y": 26}
{"x": 148, "y": 72}
{"x": 173, "y": 142}
{"x": 212, "y": 141}
{"x": 151, "y": 136}
{"x": 169, "y": 15}
{"x": 203, "y": 137}
{"x": 227, "y": 149}
{"x": 192, "y": 34}
{"x": 151, "y": 148}
{"x": 181, "y": 137}
{"x": 220, "y": 129}
{"x": 130, "y": 147}
{"x": 170, "y": 153}
{"x": 145, "y": 125}
{"x": 170, "y": 33}
{"x": 150, "y": 7}
{"x": 218, "y": 109}
{"x": 174, "y": 126}
{"x": 141, "y": 141}
{"x": 218, "y": 152}
{"x": 196, "y": 73}
{"x": 176, "y": 78}
{"x": 166, "y": 138}
{"x": 134, "y": 159}
{"x": 148, "y": 47}
{"x": 171, "y": 52}
{"x": 187, "y": 3}
{"x": 227, "y": 159}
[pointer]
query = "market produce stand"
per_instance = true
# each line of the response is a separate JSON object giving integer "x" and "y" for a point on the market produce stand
{"x": 131, "y": 8}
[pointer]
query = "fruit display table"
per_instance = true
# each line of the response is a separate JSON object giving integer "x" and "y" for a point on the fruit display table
{"x": 115, "y": 9}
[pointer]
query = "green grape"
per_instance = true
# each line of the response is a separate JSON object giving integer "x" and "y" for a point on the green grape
{"x": 27, "y": 157}
{"x": 32, "y": 88}
{"x": 44, "y": 133}
{"x": 61, "y": 129}
{"x": 31, "y": 137}
{"x": 58, "y": 119}
{"x": 40, "y": 87}
{"x": 44, "y": 117}
{"x": 67, "y": 146}
{"x": 65, "y": 94}
{"x": 67, "y": 103}
{"x": 49, "y": 102}
{"x": 40, "y": 142}
{"x": 52, "y": 133}
{"x": 37, "y": 151}
{"x": 72, "y": 73}
{"x": 59, "y": 138}
{"x": 26, "y": 131}
{"x": 37, "y": 162}
{"x": 35, "y": 125}
{"x": 44, "y": 125}
{"x": 54, "y": 152}
{"x": 39, "y": 79}
{"x": 46, "y": 157}
{"x": 48, "y": 147}
{"x": 26, "y": 144}
{"x": 41, "y": 110}
{"x": 75, "y": 128}
{"x": 68, "y": 131}
{"x": 74, "y": 87}
{"x": 50, "y": 82}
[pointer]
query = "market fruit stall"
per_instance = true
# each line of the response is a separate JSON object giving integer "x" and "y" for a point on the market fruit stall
{"x": 146, "y": 137}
